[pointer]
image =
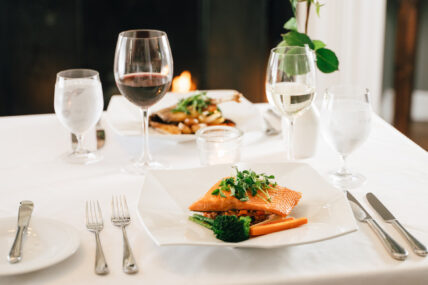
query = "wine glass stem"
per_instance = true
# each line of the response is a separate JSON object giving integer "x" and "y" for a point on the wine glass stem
{"x": 79, "y": 147}
{"x": 344, "y": 170}
{"x": 145, "y": 155}
{"x": 290, "y": 138}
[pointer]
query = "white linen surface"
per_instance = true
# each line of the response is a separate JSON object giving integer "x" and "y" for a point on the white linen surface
{"x": 30, "y": 169}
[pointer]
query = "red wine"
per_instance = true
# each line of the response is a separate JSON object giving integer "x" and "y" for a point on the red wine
{"x": 144, "y": 89}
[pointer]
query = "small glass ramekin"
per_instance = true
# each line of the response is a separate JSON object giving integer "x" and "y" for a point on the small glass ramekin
{"x": 219, "y": 144}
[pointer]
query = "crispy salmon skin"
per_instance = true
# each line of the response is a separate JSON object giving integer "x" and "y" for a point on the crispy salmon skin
{"x": 283, "y": 200}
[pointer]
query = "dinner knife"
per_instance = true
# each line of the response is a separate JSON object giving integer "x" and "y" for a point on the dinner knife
{"x": 388, "y": 217}
{"x": 394, "y": 249}
{"x": 24, "y": 215}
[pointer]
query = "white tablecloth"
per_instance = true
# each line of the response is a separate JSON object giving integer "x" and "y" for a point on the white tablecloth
{"x": 30, "y": 169}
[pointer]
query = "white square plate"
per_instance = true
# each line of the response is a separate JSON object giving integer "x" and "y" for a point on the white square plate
{"x": 166, "y": 195}
{"x": 125, "y": 118}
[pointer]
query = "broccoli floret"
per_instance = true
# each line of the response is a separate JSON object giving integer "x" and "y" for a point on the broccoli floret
{"x": 226, "y": 228}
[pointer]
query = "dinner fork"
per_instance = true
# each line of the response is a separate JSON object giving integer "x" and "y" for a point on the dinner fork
{"x": 120, "y": 218}
{"x": 95, "y": 224}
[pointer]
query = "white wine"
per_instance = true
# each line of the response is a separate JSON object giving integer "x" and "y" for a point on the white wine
{"x": 290, "y": 98}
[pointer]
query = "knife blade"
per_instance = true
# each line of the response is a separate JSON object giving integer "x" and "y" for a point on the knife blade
{"x": 393, "y": 247}
{"x": 416, "y": 245}
{"x": 24, "y": 215}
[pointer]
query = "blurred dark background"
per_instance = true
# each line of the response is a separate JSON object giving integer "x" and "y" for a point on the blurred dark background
{"x": 224, "y": 44}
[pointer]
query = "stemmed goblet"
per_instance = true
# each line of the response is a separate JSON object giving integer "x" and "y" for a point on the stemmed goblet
{"x": 345, "y": 125}
{"x": 290, "y": 84}
{"x": 78, "y": 105}
{"x": 143, "y": 71}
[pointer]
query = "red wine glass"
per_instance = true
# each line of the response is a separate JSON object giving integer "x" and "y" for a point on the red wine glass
{"x": 143, "y": 71}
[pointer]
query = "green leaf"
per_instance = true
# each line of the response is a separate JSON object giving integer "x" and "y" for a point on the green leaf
{"x": 294, "y": 38}
{"x": 291, "y": 24}
{"x": 282, "y": 44}
{"x": 318, "y": 44}
{"x": 327, "y": 60}
{"x": 318, "y": 5}
{"x": 296, "y": 65}
{"x": 293, "y": 6}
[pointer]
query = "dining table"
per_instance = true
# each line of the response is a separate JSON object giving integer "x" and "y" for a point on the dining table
{"x": 31, "y": 168}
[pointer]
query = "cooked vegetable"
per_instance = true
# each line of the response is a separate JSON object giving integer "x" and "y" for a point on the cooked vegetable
{"x": 277, "y": 219}
{"x": 246, "y": 180}
{"x": 226, "y": 228}
{"x": 197, "y": 102}
{"x": 258, "y": 230}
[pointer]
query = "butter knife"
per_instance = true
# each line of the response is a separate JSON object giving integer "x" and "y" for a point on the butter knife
{"x": 24, "y": 215}
{"x": 388, "y": 217}
{"x": 393, "y": 248}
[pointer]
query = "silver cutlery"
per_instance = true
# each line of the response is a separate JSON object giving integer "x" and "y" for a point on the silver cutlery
{"x": 271, "y": 112}
{"x": 24, "y": 215}
{"x": 95, "y": 224}
{"x": 270, "y": 129}
{"x": 100, "y": 135}
{"x": 120, "y": 218}
{"x": 388, "y": 217}
{"x": 394, "y": 249}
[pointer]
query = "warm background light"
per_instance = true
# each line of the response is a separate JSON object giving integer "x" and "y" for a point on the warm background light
{"x": 183, "y": 83}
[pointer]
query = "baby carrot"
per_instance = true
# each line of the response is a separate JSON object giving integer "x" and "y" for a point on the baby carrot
{"x": 275, "y": 227}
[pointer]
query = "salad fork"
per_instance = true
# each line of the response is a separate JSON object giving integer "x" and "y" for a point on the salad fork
{"x": 120, "y": 218}
{"x": 95, "y": 224}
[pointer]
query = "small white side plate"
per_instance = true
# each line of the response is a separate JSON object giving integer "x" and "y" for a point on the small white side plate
{"x": 46, "y": 243}
{"x": 166, "y": 195}
{"x": 125, "y": 118}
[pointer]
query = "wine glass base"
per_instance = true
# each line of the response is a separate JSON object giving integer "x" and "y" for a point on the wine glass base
{"x": 140, "y": 168}
{"x": 346, "y": 181}
{"x": 86, "y": 157}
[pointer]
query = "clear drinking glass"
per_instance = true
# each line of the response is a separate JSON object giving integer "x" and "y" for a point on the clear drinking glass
{"x": 143, "y": 71}
{"x": 345, "y": 124}
{"x": 78, "y": 105}
{"x": 290, "y": 84}
{"x": 219, "y": 144}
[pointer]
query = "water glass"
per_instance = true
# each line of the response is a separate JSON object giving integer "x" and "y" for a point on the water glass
{"x": 219, "y": 144}
{"x": 345, "y": 125}
{"x": 78, "y": 105}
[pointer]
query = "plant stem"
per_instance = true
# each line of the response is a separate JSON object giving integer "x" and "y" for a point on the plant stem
{"x": 308, "y": 10}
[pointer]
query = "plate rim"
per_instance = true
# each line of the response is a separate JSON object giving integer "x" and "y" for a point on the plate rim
{"x": 351, "y": 229}
{"x": 75, "y": 245}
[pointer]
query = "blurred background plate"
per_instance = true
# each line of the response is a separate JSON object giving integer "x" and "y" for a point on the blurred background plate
{"x": 125, "y": 118}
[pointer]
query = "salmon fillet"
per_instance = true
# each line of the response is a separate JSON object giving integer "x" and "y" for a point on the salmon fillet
{"x": 282, "y": 202}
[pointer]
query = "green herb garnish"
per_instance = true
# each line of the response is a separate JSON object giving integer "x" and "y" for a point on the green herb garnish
{"x": 246, "y": 181}
{"x": 198, "y": 102}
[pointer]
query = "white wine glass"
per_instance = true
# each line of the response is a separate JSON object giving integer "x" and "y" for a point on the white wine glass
{"x": 345, "y": 124}
{"x": 290, "y": 84}
{"x": 143, "y": 71}
{"x": 78, "y": 105}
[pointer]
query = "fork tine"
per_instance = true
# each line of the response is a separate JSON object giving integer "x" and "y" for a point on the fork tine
{"x": 93, "y": 213}
{"x": 113, "y": 211}
{"x": 117, "y": 207}
{"x": 86, "y": 211}
{"x": 99, "y": 213}
{"x": 121, "y": 207}
{"x": 125, "y": 207}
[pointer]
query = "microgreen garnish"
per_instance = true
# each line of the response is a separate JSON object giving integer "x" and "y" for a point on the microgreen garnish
{"x": 246, "y": 181}
{"x": 198, "y": 102}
